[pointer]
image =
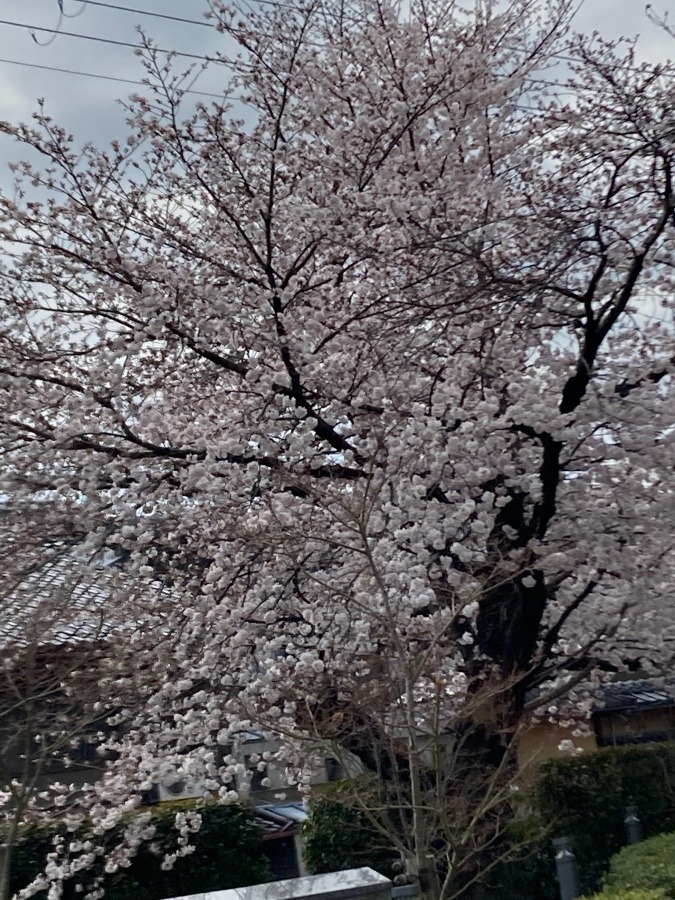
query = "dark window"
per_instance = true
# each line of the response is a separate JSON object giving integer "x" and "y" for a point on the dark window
{"x": 149, "y": 798}
{"x": 333, "y": 769}
{"x": 85, "y": 752}
{"x": 282, "y": 857}
{"x": 257, "y": 774}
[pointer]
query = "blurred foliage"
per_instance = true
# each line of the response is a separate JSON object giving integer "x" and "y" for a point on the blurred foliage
{"x": 228, "y": 854}
{"x": 337, "y": 836}
{"x": 649, "y": 894}
{"x": 585, "y": 798}
{"x": 649, "y": 865}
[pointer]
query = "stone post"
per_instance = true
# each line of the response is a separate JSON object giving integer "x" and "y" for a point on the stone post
{"x": 566, "y": 869}
{"x": 633, "y": 825}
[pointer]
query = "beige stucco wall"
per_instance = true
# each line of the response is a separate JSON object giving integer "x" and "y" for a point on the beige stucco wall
{"x": 542, "y": 741}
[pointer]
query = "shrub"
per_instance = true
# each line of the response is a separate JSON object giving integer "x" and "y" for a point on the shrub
{"x": 585, "y": 797}
{"x": 30, "y": 854}
{"x": 529, "y": 874}
{"x": 228, "y": 854}
{"x": 339, "y": 837}
{"x": 649, "y": 894}
{"x": 648, "y": 865}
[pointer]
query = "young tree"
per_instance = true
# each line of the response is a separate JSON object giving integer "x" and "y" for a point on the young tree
{"x": 66, "y": 689}
{"x": 366, "y": 372}
{"x": 52, "y": 629}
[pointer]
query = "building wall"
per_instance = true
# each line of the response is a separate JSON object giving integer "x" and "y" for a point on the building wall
{"x": 543, "y": 741}
{"x": 619, "y": 727}
{"x": 609, "y": 728}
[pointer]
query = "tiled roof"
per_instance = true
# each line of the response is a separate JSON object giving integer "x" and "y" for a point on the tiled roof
{"x": 638, "y": 694}
{"x": 625, "y": 692}
{"x": 66, "y": 600}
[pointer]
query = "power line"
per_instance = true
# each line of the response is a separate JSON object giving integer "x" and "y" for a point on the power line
{"x": 133, "y": 46}
{"x": 118, "y": 79}
{"x": 91, "y": 37}
{"x": 16, "y": 62}
{"x": 197, "y": 56}
{"x": 278, "y": 4}
{"x": 147, "y": 12}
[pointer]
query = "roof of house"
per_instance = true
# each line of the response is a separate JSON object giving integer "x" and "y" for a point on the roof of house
{"x": 64, "y": 601}
{"x": 277, "y": 820}
{"x": 636, "y": 694}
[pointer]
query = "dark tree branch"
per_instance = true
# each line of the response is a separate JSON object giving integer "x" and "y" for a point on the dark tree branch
{"x": 597, "y": 330}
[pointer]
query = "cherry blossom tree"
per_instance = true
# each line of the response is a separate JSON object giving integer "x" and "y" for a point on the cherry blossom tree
{"x": 370, "y": 363}
{"x": 63, "y": 684}
{"x": 52, "y": 630}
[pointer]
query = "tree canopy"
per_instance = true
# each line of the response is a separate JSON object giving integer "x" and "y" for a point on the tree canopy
{"x": 370, "y": 366}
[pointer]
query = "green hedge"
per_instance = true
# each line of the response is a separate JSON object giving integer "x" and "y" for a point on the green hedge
{"x": 228, "y": 854}
{"x": 529, "y": 875}
{"x": 337, "y": 837}
{"x": 585, "y": 797}
{"x": 649, "y": 894}
{"x": 647, "y": 866}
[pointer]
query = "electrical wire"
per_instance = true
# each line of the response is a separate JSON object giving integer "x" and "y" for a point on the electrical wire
{"x": 197, "y": 56}
{"x": 147, "y": 12}
{"x": 279, "y": 4}
{"x": 179, "y": 53}
{"x": 91, "y": 37}
{"x": 119, "y": 80}
{"x": 16, "y": 62}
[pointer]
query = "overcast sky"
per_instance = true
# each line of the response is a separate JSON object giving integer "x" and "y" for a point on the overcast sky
{"x": 87, "y": 106}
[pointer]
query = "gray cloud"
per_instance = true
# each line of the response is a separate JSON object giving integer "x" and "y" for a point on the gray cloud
{"x": 88, "y": 107}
